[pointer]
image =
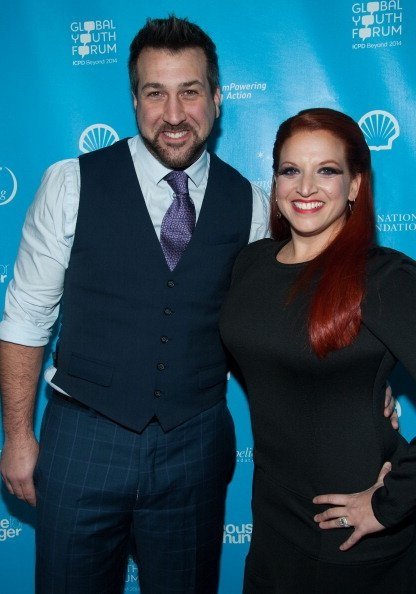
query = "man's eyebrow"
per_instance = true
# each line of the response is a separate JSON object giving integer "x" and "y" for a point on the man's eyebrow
{"x": 183, "y": 85}
{"x": 152, "y": 85}
{"x": 191, "y": 83}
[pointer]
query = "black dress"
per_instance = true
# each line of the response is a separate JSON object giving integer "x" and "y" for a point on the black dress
{"x": 319, "y": 427}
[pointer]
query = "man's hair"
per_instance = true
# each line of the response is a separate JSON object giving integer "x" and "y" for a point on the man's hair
{"x": 173, "y": 34}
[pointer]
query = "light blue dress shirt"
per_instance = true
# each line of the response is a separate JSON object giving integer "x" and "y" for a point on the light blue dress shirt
{"x": 33, "y": 295}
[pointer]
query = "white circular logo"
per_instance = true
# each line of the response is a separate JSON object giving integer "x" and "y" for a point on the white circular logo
{"x": 8, "y": 185}
{"x": 96, "y": 137}
{"x": 398, "y": 409}
{"x": 380, "y": 128}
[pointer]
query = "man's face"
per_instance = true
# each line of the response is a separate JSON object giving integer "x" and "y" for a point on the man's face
{"x": 175, "y": 109}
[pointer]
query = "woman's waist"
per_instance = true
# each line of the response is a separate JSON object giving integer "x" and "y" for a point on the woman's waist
{"x": 290, "y": 512}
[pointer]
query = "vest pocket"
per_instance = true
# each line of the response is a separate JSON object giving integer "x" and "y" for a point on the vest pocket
{"x": 97, "y": 372}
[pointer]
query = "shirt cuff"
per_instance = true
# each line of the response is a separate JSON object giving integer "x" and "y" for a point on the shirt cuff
{"x": 23, "y": 334}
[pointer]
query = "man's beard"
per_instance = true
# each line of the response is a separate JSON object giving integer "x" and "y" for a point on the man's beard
{"x": 171, "y": 157}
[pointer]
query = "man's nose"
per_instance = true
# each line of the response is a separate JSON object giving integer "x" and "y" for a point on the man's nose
{"x": 174, "y": 112}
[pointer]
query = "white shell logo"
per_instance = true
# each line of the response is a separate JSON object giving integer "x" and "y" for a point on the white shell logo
{"x": 97, "y": 136}
{"x": 8, "y": 185}
{"x": 380, "y": 128}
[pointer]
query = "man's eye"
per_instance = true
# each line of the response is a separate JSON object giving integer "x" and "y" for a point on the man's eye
{"x": 288, "y": 171}
{"x": 154, "y": 94}
{"x": 190, "y": 93}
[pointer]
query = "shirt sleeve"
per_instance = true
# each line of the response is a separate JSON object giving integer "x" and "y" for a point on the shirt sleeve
{"x": 260, "y": 218}
{"x": 389, "y": 312}
{"x": 34, "y": 293}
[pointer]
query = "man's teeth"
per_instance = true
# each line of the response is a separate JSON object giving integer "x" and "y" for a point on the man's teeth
{"x": 176, "y": 134}
{"x": 307, "y": 205}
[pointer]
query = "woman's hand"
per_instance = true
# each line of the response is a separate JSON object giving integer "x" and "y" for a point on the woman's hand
{"x": 390, "y": 408}
{"x": 352, "y": 511}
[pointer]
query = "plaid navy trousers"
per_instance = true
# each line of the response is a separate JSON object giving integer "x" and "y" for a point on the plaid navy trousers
{"x": 101, "y": 486}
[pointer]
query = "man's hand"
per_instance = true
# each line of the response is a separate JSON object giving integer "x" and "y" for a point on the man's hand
{"x": 17, "y": 463}
{"x": 352, "y": 511}
{"x": 19, "y": 372}
{"x": 390, "y": 408}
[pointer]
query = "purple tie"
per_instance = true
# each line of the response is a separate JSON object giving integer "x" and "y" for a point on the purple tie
{"x": 179, "y": 221}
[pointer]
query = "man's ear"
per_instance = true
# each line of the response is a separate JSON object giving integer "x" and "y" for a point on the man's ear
{"x": 217, "y": 101}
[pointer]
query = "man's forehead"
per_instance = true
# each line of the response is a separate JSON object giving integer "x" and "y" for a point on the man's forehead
{"x": 158, "y": 59}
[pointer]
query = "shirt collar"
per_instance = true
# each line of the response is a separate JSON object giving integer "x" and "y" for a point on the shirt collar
{"x": 155, "y": 171}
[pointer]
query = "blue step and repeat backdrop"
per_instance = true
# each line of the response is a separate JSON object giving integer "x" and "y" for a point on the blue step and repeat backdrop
{"x": 65, "y": 91}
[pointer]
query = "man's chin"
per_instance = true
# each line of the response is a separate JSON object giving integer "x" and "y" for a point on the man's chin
{"x": 177, "y": 156}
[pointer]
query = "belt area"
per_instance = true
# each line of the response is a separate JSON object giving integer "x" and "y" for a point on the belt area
{"x": 73, "y": 401}
{"x": 79, "y": 404}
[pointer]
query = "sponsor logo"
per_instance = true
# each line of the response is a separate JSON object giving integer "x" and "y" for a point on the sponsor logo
{"x": 10, "y": 528}
{"x": 381, "y": 23}
{"x": 398, "y": 409}
{"x": 396, "y": 221}
{"x": 237, "y": 533}
{"x": 245, "y": 455}
{"x": 132, "y": 577}
{"x": 94, "y": 43}
{"x": 8, "y": 185}
{"x": 3, "y": 272}
{"x": 235, "y": 91}
{"x": 380, "y": 129}
{"x": 97, "y": 136}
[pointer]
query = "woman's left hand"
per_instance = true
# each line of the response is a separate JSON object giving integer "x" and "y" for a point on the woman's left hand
{"x": 353, "y": 511}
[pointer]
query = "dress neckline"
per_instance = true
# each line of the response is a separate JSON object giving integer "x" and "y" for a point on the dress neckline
{"x": 295, "y": 265}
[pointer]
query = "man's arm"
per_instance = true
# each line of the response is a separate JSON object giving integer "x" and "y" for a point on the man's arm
{"x": 260, "y": 217}
{"x": 19, "y": 374}
{"x": 32, "y": 306}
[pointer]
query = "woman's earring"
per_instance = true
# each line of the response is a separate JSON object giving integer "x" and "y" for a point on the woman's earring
{"x": 351, "y": 205}
{"x": 278, "y": 213}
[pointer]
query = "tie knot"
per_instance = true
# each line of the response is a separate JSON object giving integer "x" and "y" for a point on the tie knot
{"x": 178, "y": 181}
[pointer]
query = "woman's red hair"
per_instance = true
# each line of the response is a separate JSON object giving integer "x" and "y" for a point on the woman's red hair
{"x": 335, "y": 309}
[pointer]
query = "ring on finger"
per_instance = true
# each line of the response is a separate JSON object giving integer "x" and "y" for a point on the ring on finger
{"x": 343, "y": 522}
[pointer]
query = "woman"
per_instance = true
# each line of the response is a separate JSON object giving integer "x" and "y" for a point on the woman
{"x": 316, "y": 319}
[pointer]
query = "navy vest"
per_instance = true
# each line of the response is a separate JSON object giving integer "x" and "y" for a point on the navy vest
{"x": 136, "y": 339}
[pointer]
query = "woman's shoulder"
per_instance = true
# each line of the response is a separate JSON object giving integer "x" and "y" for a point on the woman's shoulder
{"x": 386, "y": 265}
{"x": 254, "y": 253}
{"x": 384, "y": 259}
{"x": 258, "y": 247}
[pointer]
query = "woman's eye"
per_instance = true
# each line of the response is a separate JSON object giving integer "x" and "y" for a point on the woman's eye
{"x": 288, "y": 171}
{"x": 330, "y": 171}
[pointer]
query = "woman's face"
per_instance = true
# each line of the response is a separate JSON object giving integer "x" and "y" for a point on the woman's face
{"x": 314, "y": 185}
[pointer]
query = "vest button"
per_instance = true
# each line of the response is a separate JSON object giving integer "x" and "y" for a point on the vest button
{"x": 167, "y": 311}
{"x": 157, "y": 393}
{"x": 164, "y": 339}
{"x": 170, "y": 283}
{"x": 161, "y": 366}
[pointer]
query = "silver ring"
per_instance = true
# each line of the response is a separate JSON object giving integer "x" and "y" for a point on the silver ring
{"x": 343, "y": 522}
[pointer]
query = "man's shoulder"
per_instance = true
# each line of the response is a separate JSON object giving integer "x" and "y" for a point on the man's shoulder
{"x": 107, "y": 152}
{"x": 224, "y": 167}
{"x": 60, "y": 172}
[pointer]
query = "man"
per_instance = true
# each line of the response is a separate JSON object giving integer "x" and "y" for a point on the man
{"x": 136, "y": 438}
